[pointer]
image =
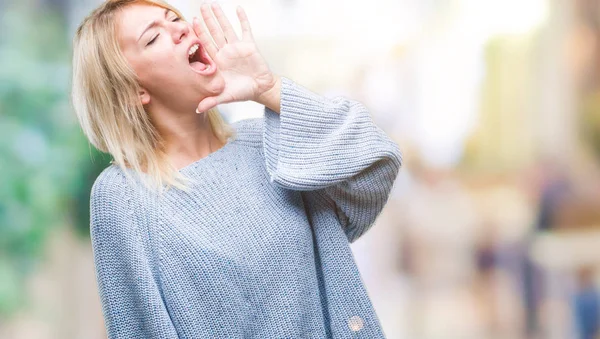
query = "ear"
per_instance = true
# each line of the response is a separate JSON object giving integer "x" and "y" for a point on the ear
{"x": 144, "y": 96}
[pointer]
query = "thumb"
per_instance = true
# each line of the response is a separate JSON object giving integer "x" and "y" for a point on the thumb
{"x": 211, "y": 102}
{"x": 206, "y": 104}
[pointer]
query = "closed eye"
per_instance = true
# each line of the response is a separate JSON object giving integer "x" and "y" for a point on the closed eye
{"x": 156, "y": 36}
{"x": 152, "y": 41}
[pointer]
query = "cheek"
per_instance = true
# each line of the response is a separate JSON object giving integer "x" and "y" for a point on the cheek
{"x": 158, "y": 69}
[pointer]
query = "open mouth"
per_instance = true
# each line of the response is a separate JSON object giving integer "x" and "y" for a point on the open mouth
{"x": 199, "y": 60}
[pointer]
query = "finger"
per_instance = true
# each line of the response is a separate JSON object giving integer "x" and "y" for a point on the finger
{"x": 213, "y": 27}
{"x": 225, "y": 24}
{"x": 206, "y": 104}
{"x": 246, "y": 30}
{"x": 204, "y": 37}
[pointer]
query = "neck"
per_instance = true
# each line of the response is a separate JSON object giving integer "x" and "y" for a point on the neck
{"x": 187, "y": 137}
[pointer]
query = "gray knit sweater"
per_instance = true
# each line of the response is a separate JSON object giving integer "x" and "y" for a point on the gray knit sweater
{"x": 259, "y": 247}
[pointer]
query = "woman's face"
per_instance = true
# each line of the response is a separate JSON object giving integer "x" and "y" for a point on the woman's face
{"x": 157, "y": 44}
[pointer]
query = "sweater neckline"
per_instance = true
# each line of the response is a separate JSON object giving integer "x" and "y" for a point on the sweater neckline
{"x": 207, "y": 158}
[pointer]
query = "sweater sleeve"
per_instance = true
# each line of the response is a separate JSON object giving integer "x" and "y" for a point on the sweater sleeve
{"x": 131, "y": 301}
{"x": 333, "y": 147}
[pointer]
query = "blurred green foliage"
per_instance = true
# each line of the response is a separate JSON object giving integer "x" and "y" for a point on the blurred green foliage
{"x": 45, "y": 162}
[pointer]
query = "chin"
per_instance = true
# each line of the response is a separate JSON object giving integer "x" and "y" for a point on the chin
{"x": 216, "y": 85}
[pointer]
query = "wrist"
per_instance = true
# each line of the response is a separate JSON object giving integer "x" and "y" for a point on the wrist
{"x": 271, "y": 98}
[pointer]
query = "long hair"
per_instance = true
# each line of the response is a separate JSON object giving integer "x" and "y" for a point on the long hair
{"x": 105, "y": 97}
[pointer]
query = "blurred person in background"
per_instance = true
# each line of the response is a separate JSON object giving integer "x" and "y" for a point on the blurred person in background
{"x": 587, "y": 305}
{"x": 553, "y": 190}
{"x": 201, "y": 229}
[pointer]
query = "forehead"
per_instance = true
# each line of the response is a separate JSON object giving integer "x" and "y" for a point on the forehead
{"x": 134, "y": 18}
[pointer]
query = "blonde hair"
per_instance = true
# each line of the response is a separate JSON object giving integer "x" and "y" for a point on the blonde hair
{"x": 106, "y": 101}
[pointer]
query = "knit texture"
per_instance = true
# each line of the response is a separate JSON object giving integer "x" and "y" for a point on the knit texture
{"x": 260, "y": 245}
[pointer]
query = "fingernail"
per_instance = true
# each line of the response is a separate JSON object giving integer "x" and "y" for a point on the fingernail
{"x": 197, "y": 111}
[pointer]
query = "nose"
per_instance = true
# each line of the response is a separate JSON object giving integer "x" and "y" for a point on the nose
{"x": 180, "y": 29}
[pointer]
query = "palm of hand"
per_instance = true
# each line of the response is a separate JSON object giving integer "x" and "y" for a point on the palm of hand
{"x": 247, "y": 75}
{"x": 245, "y": 71}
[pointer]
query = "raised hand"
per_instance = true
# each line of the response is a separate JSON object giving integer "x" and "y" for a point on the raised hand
{"x": 246, "y": 73}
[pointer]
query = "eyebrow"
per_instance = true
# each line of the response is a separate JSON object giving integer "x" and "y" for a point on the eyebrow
{"x": 152, "y": 24}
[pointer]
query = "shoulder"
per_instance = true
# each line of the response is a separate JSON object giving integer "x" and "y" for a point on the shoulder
{"x": 249, "y": 131}
{"x": 110, "y": 183}
{"x": 109, "y": 197}
{"x": 114, "y": 221}
{"x": 116, "y": 227}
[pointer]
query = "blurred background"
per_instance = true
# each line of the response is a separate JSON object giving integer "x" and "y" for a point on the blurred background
{"x": 493, "y": 227}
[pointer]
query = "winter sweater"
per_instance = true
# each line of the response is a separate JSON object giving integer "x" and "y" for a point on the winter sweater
{"x": 259, "y": 247}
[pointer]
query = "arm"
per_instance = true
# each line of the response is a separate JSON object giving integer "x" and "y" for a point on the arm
{"x": 132, "y": 304}
{"x": 329, "y": 146}
{"x": 333, "y": 147}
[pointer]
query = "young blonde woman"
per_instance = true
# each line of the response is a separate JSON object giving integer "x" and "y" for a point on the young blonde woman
{"x": 206, "y": 230}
